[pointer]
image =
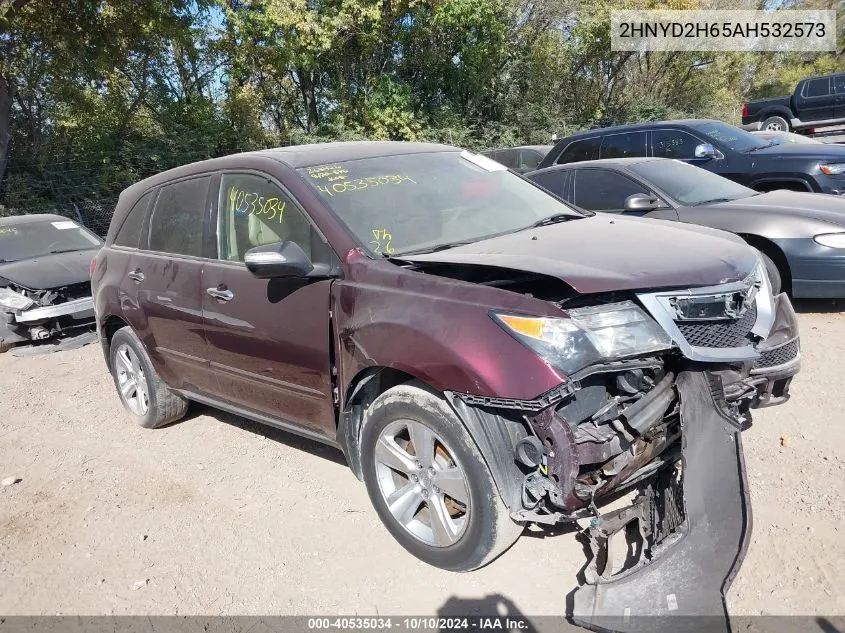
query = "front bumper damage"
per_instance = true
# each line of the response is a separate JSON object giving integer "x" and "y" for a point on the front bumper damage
{"x": 660, "y": 437}
{"x": 693, "y": 521}
{"x": 55, "y": 313}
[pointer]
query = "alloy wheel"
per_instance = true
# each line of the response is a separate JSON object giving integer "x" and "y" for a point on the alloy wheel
{"x": 422, "y": 483}
{"x": 131, "y": 380}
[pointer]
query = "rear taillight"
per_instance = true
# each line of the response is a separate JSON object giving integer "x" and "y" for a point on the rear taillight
{"x": 744, "y": 109}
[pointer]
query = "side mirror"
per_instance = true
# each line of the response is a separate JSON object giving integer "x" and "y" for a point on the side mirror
{"x": 281, "y": 259}
{"x": 705, "y": 150}
{"x": 641, "y": 202}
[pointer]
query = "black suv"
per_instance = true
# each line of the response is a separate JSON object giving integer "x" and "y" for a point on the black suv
{"x": 715, "y": 146}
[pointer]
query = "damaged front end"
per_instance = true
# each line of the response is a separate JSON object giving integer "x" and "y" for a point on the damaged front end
{"x": 28, "y": 314}
{"x": 647, "y": 450}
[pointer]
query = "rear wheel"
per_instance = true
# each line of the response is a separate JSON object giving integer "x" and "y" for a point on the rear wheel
{"x": 775, "y": 124}
{"x": 146, "y": 397}
{"x": 429, "y": 483}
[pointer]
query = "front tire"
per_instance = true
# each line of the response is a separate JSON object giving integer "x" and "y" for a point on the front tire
{"x": 429, "y": 483}
{"x": 775, "y": 124}
{"x": 145, "y": 396}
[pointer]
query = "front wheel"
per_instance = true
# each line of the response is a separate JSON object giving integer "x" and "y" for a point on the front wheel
{"x": 429, "y": 483}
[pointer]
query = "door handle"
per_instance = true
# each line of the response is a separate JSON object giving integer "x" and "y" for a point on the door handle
{"x": 221, "y": 293}
{"x": 136, "y": 275}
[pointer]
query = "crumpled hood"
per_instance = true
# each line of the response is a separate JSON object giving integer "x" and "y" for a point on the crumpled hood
{"x": 818, "y": 206}
{"x": 49, "y": 271}
{"x": 606, "y": 253}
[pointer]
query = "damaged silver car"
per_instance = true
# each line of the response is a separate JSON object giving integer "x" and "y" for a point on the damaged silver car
{"x": 45, "y": 291}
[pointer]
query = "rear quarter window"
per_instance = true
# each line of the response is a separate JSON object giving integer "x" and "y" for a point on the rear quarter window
{"x": 817, "y": 87}
{"x": 133, "y": 226}
{"x": 176, "y": 223}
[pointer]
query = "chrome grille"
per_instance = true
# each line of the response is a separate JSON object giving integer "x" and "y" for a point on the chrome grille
{"x": 777, "y": 356}
{"x": 720, "y": 333}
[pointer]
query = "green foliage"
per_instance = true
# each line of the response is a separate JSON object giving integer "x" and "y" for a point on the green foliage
{"x": 96, "y": 94}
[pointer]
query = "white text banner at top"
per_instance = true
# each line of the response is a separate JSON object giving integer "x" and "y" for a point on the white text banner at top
{"x": 723, "y": 30}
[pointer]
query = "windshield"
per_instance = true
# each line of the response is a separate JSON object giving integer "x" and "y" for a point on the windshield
{"x": 414, "y": 202}
{"x": 33, "y": 239}
{"x": 689, "y": 185}
{"x": 738, "y": 140}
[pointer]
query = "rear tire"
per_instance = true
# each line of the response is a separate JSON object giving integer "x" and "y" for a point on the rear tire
{"x": 145, "y": 396}
{"x": 458, "y": 533}
{"x": 775, "y": 124}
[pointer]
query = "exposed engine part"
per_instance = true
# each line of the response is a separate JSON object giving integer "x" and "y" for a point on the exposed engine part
{"x": 648, "y": 410}
{"x": 529, "y": 452}
{"x": 39, "y": 333}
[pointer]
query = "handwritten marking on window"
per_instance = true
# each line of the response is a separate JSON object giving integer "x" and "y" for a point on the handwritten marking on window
{"x": 331, "y": 172}
{"x": 336, "y": 188}
{"x": 381, "y": 241}
{"x": 7, "y": 230}
{"x": 245, "y": 202}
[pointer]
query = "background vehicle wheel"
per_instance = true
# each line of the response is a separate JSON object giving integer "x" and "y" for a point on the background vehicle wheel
{"x": 774, "y": 273}
{"x": 5, "y": 346}
{"x": 429, "y": 483}
{"x": 775, "y": 124}
{"x": 147, "y": 399}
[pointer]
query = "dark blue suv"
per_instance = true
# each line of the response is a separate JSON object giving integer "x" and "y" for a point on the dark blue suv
{"x": 716, "y": 146}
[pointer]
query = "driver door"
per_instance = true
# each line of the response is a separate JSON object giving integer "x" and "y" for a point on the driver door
{"x": 268, "y": 340}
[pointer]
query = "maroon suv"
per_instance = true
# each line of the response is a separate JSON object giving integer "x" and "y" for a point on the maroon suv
{"x": 484, "y": 355}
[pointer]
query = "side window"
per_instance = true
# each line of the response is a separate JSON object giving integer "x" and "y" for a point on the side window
{"x": 176, "y": 225}
{"x": 622, "y": 145}
{"x": 253, "y": 211}
{"x": 130, "y": 233}
{"x": 673, "y": 144}
{"x": 839, "y": 84}
{"x": 586, "y": 149}
{"x": 601, "y": 190}
{"x": 529, "y": 158}
{"x": 817, "y": 87}
{"x": 553, "y": 181}
{"x": 508, "y": 158}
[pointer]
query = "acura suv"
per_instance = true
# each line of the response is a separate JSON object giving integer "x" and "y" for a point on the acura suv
{"x": 484, "y": 355}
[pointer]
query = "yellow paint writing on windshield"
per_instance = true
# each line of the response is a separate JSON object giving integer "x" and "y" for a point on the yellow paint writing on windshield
{"x": 359, "y": 184}
{"x": 381, "y": 241}
{"x": 6, "y": 230}
{"x": 245, "y": 202}
{"x": 330, "y": 173}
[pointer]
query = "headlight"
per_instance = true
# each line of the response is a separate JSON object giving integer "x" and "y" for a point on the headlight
{"x": 833, "y": 170}
{"x": 589, "y": 335}
{"x": 13, "y": 300}
{"x": 833, "y": 240}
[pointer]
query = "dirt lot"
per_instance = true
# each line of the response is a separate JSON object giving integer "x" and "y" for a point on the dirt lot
{"x": 216, "y": 515}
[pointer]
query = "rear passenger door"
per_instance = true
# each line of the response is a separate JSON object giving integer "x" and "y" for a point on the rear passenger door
{"x": 166, "y": 273}
{"x": 268, "y": 339}
{"x": 839, "y": 90}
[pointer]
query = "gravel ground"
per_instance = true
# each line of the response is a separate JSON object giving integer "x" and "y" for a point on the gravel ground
{"x": 220, "y": 516}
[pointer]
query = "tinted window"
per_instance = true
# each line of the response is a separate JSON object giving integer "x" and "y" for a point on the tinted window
{"x": 817, "y": 87}
{"x": 554, "y": 181}
{"x": 622, "y": 145}
{"x": 839, "y": 83}
{"x": 673, "y": 144}
{"x": 529, "y": 158}
{"x": 586, "y": 149}
{"x": 130, "y": 233}
{"x": 254, "y": 211}
{"x": 601, "y": 190}
{"x": 688, "y": 184}
{"x": 177, "y": 220}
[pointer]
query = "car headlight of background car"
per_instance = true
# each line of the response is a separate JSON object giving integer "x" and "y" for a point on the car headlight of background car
{"x": 13, "y": 300}
{"x": 835, "y": 169}
{"x": 832, "y": 240}
{"x": 589, "y": 335}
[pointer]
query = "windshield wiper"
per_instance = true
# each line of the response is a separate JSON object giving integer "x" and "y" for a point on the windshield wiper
{"x": 713, "y": 201}
{"x": 62, "y": 250}
{"x": 431, "y": 249}
{"x": 555, "y": 219}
